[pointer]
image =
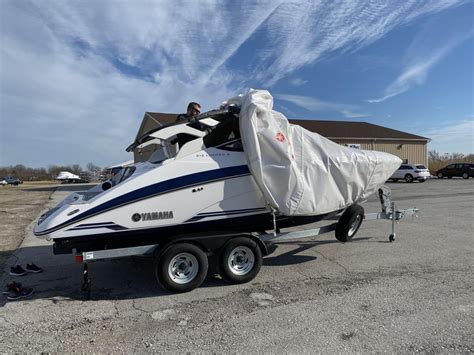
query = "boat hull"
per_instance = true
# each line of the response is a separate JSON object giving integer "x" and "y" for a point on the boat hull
{"x": 260, "y": 222}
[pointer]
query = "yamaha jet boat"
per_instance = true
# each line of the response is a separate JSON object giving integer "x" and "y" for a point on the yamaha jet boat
{"x": 237, "y": 170}
{"x": 205, "y": 187}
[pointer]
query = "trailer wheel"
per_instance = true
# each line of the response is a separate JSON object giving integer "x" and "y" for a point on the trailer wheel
{"x": 240, "y": 260}
{"x": 181, "y": 267}
{"x": 349, "y": 223}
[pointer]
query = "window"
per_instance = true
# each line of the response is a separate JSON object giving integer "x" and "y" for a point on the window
{"x": 224, "y": 132}
{"x": 234, "y": 146}
{"x": 458, "y": 166}
{"x": 123, "y": 175}
{"x": 420, "y": 167}
{"x": 450, "y": 166}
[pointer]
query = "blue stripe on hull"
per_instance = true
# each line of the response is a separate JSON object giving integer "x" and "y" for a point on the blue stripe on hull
{"x": 158, "y": 189}
{"x": 108, "y": 225}
{"x": 203, "y": 215}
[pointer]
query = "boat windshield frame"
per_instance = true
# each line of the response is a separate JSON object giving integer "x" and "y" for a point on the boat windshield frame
{"x": 217, "y": 115}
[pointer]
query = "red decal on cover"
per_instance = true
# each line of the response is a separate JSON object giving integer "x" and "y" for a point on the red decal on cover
{"x": 280, "y": 137}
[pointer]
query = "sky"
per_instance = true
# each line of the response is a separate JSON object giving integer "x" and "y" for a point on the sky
{"x": 77, "y": 76}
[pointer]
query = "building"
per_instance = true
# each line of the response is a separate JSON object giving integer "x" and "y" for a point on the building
{"x": 408, "y": 147}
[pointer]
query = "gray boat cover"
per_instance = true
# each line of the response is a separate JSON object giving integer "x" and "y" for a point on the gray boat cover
{"x": 300, "y": 172}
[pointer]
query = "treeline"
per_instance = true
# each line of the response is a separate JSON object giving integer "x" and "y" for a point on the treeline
{"x": 435, "y": 161}
{"x": 440, "y": 160}
{"x": 40, "y": 174}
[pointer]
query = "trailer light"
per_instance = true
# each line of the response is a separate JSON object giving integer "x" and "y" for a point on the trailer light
{"x": 79, "y": 259}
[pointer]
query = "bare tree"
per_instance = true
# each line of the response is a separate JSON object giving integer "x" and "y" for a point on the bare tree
{"x": 93, "y": 170}
{"x": 75, "y": 168}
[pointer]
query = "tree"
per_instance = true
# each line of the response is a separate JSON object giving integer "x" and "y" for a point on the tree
{"x": 94, "y": 170}
{"x": 75, "y": 168}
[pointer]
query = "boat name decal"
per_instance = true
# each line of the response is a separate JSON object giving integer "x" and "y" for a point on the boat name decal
{"x": 206, "y": 155}
{"x": 152, "y": 216}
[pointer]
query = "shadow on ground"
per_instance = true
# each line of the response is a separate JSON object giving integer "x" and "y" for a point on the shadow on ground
{"x": 124, "y": 278}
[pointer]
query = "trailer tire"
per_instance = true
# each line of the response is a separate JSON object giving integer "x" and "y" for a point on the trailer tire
{"x": 349, "y": 223}
{"x": 240, "y": 260}
{"x": 181, "y": 267}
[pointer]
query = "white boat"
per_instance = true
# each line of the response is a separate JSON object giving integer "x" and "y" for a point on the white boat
{"x": 196, "y": 187}
{"x": 68, "y": 177}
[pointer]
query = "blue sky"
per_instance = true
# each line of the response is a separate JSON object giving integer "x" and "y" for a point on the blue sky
{"x": 77, "y": 76}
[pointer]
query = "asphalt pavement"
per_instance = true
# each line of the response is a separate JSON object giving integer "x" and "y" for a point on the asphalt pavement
{"x": 370, "y": 295}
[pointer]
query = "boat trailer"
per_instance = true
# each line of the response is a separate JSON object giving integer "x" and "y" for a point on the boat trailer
{"x": 236, "y": 262}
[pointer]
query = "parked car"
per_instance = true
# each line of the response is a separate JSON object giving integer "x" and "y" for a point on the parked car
{"x": 411, "y": 172}
{"x": 464, "y": 170}
{"x": 12, "y": 180}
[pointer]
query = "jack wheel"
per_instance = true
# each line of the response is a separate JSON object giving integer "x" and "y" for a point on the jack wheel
{"x": 391, "y": 238}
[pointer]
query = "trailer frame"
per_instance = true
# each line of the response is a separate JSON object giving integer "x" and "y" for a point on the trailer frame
{"x": 215, "y": 243}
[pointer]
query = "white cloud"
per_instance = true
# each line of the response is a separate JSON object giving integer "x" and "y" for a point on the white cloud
{"x": 340, "y": 26}
{"x": 82, "y": 73}
{"x": 457, "y": 137}
{"x": 428, "y": 48}
{"x": 315, "y": 105}
{"x": 298, "y": 81}
{"x": 416, "y": 74}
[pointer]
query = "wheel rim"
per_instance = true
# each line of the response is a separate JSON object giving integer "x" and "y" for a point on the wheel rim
{"x": 409, "y": 178}
{"x": 241, "y": 260}
{"x": 355, "y": 226}
{"x": 465, "y": 176}
{"x": 183, "y": 268}
{"x": 440, "y": 175}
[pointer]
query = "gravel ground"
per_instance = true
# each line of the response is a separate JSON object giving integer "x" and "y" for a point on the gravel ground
{"x": 19, "y": 205}
{"x": 317, "y": 295}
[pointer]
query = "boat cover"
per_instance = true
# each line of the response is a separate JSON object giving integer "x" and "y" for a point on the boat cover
{"x": 299, "y": 171}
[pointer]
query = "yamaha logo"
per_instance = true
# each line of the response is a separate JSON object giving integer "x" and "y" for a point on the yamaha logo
{"x": 152, "y": 216}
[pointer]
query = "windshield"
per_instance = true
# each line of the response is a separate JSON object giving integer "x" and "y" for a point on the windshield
{"x": 122, "y": 175}
{"x": 163, "y": 151}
